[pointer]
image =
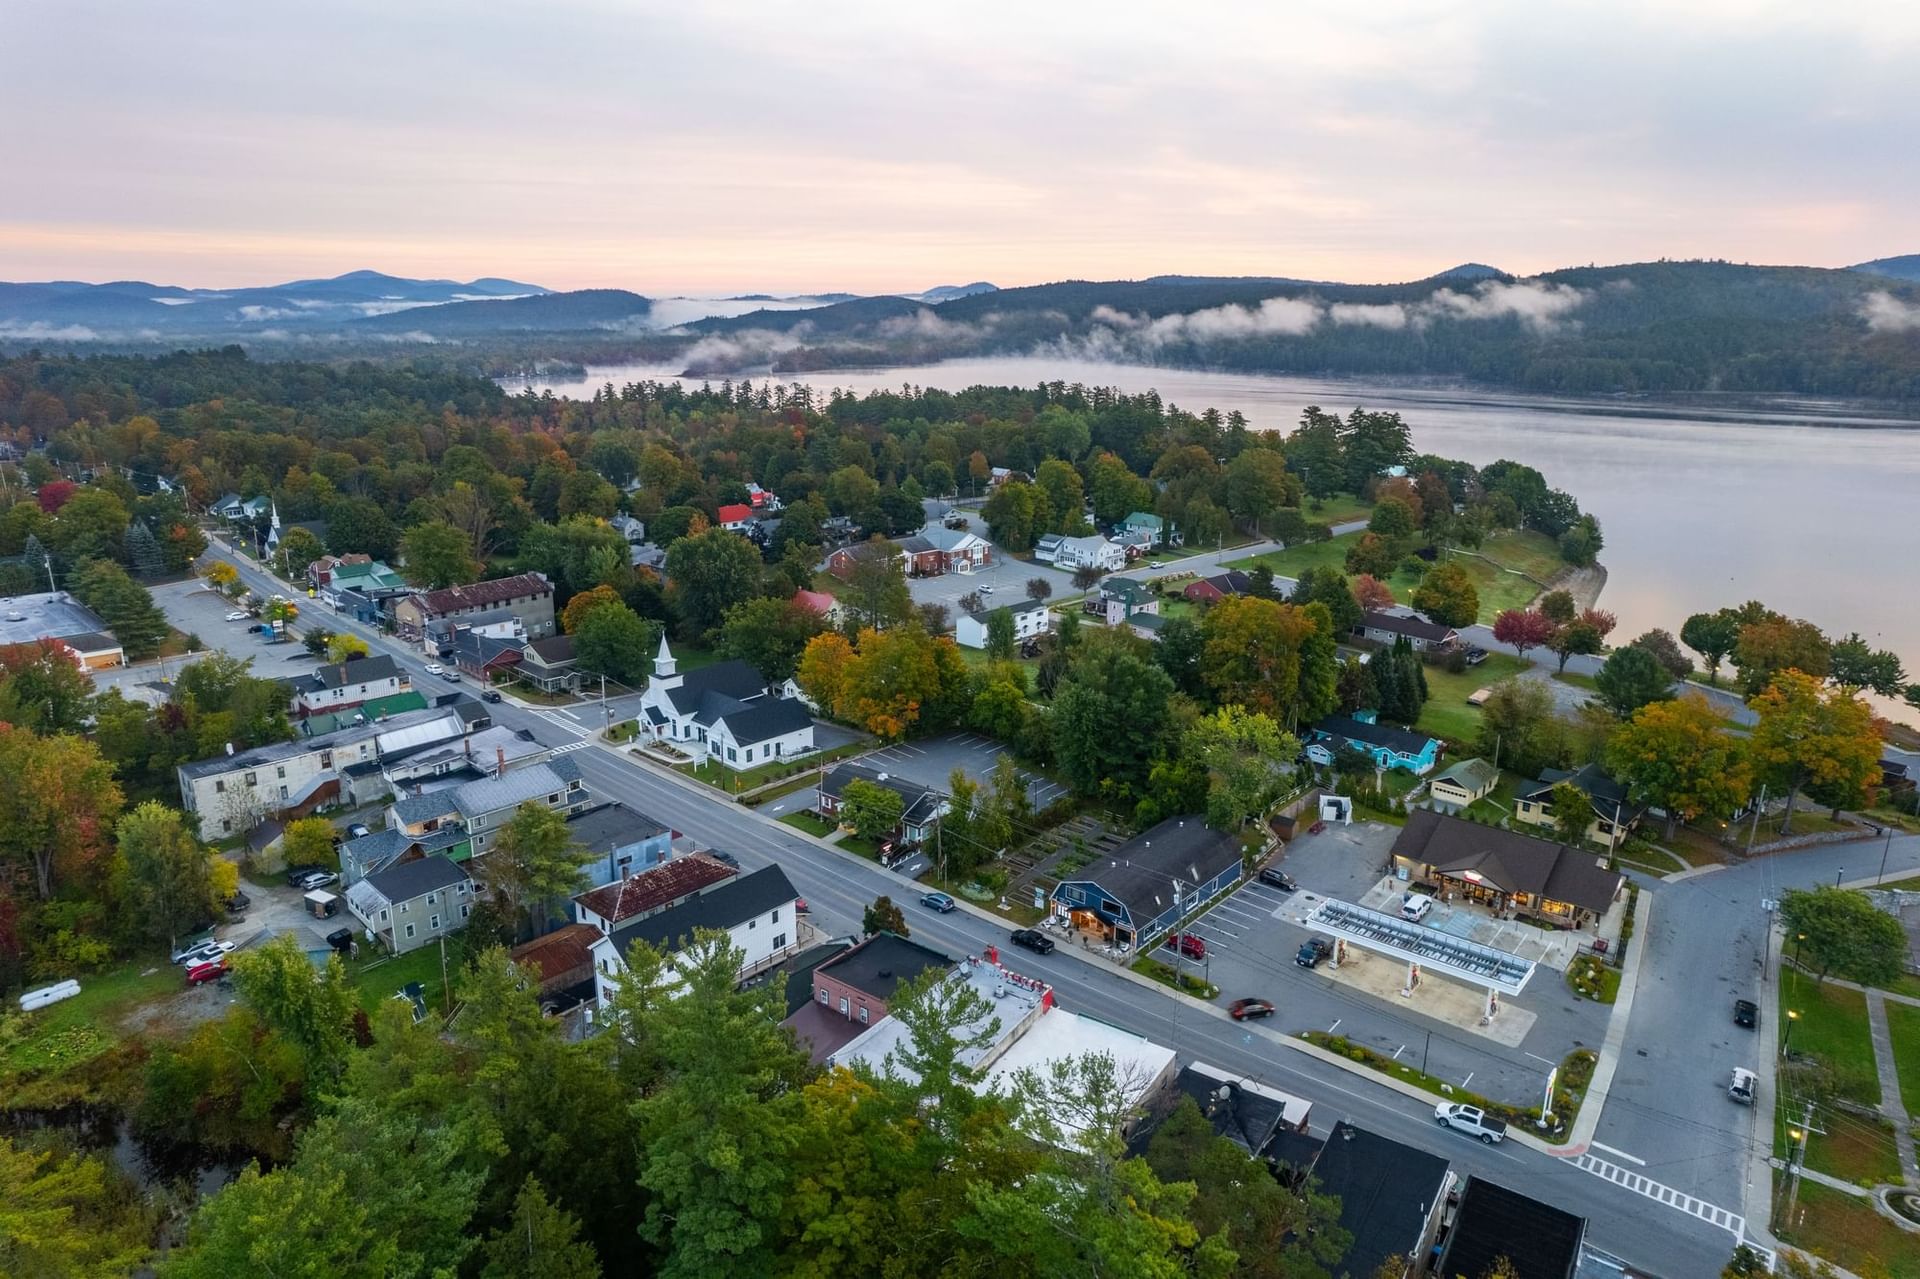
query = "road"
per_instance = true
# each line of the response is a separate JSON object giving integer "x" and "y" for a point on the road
{"x": 1654, "y": 1113}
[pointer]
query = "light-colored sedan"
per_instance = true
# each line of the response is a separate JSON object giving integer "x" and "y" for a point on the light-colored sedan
{"x": 238, "y": 615}
{"x": 434, "y": 668}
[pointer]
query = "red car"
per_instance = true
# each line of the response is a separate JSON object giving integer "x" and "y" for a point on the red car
{"x": 1243, "y": 1009}
{"x": 800, "y": 907}
{"x": 1188, "y": 944}
{"x": 1316, "y": 828}
{"x": 199, "y": 974}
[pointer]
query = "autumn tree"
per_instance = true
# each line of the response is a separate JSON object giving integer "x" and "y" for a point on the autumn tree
{"x": 583, "y": 603}
{"x": 1370, "y": 593}
{"x": 1678, "y": 756}
{"x": 1448, "y": 596}
{"x": 883, "y": 916}
{"x": 57, "y": 808}
{"x": 1039, "y": 588}
{"x": 1558, "y": 605}
{"x": 1373, "y": 555}
{"x": 1518, "y": 729}
{"x": 1574, "y": 639}
{"x": 899, "y": 679}
{"x": 1523, "y": 629}
{"x": 42, "y": 688}
{"x": 308, "y": 841}
{"x": 222, "y": 576}
{"x": 1266, "y": 657}
{"x": 341, "y": 648}
{"x": 1815, "y": 738}
{"x": 1665, "y": 649}
{"x": 1774, "y": 644}
{"x": 535, "y": 860}
{"x": 821, "y": 672}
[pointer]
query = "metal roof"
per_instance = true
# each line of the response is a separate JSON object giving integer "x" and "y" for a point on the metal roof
{"x": 1433, "y": 950}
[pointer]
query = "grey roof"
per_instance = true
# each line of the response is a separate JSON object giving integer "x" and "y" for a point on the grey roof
{"x": 1141, "y": 871}
{"x": 409, "y": 809}
{"x": 721, "y": 907}
{"x": 1386, "y": 1191}
{"x": 358, "y": 670}
{"x": 1537, "y": 1239}
{"x": 1405, "y": 741}
{"x": 1607, "y": 796}
{"x": 1507, "y": 859}
{"x": 767, "y": 718}
{"x": 516, "y": 787}
{"x": 555, "y": 650}
{"x": 1471, "y": 774}
{"x": 922, "y": 803}
{"x": 735, "y": 680}
{"x": 47, "y": 615}
{"x": 1412, "y": 627}
{"x": 612, "y": 826}
{"x": 408, "y": 880}
{"x": 91, "y": 642}
{"x": 1023, "y": 606}
{"x": 883, "y": 963}
{"x": 1231, "y": 582}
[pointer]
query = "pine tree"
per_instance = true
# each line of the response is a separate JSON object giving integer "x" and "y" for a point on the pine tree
{"x": 143, "y": 552}
{"x": 33, "y": 552}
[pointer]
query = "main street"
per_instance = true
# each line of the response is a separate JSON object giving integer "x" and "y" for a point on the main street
{"x": 1653, "y": 1120}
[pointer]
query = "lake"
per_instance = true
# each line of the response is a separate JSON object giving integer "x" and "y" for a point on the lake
{"x": 1810, "y": 507}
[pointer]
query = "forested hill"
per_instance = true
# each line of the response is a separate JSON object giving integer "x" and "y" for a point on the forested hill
{"x": 1657, "y": 327}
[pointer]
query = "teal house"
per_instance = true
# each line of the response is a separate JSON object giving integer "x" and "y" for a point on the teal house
{"x": 1386, "y": 745}
{"x": 1158, "y": 530}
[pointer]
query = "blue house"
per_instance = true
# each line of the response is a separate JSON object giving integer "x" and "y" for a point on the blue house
{"x": 623, "y": 841}
{"x": 1387, "y": 746}
{"x": 1143, "y": 888}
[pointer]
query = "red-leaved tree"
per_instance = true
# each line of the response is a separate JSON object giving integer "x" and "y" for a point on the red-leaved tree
{"x": 1523, "y": 629}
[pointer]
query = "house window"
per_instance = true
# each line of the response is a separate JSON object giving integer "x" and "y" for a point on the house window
{"x": 434, "y": 922}
{"x": 553, "y": 799}
{"x": 843, "y": 1005}
{"x": 750, "y": 924}
{"x": 280, "y": 772}
{"x": 431, "y": 898}
{"x": 465, "y": 910}
{"x": 823, "y": 995}
{"x": 749, "y": 754}
{"x": 779, "y": 941}
{"x": 250, "y": 779}
{"x": 409, "y": 930}
{"x": 383, "y": 916}
{"x": 863, "y": 1014}
{"x": 225, "y": 826}
{"x": 405, "y": 907}
{"x": 730, "y": 757}
{"x": 219, "y": 788}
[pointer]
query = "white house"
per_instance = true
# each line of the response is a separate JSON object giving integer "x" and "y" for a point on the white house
{"x": 1090, "y": 552}
{"x": 1047, "y": 549}
{"x": 1030, "y": 618}
{"x": 758, "y": 912}
{"x": 343, "y": 685}
{"x": 724, "y": 712}
{"x": 411, "y": 903}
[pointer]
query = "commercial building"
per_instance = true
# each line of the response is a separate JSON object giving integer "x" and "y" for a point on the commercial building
{"x": 59, "y": 617}
{"x": 529, "y": 596}
{"x": 757, "y": 912}
{"x": 1140, "y": 890}
{"x": 1505, "y": 870}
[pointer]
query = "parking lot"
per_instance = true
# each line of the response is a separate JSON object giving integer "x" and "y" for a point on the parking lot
{"x": 931, "y": 763}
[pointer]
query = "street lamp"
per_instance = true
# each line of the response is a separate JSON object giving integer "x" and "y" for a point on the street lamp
{"x": 1793, "y": 1015}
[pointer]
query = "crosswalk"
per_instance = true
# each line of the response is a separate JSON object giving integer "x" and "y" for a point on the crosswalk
{"x": 1627, "y": 1179}
{"x": 579, "y": 745}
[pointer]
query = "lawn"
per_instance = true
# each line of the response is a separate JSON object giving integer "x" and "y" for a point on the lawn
{"x": 866, "y": 848}
{"x": 382, "y": 977}
{"x": 1578, "y": 680}
{"x": 734, "y": 782}
{"x": 1528, "y": 552}
{"x": 1833, "y": 1027}
{"x": 811, "y": 823}
{"x": 79, "y": 1029}
{"x": 1337, "y": 508}
{"x": 1852, "y": 1148}
{"x": 1846, "y": 1230}
{"x": 1446, "y": 714}
{"x": 1903, "y": 1025}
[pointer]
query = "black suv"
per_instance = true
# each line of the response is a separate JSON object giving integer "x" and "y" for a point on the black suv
{"x": 1034, "y": 940}
{"x": 1746, "y": 1013}
{"x": 1312, "y": 951}
{"x": 1274, "y": 877}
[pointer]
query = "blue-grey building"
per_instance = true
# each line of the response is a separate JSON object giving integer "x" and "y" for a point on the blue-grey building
{"x": 1143, "y": 888}
{"x": 623, "y": 842}
{"x": 1387, "y": 746}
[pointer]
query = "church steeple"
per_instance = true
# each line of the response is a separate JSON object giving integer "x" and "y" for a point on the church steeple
{"x": 663, "y": 662}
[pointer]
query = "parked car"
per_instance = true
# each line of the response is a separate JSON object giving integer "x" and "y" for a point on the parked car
{"x": 357, "y": 830}
{"x": 986, "y": 590}
{"x": 316, "y": 879}
{"x": 255, "y": 628}
{"x": 937, "y": 901}
{"x": 341, "y": 939}
{"x": 238, "y": 615}
{"x": 1247, "y": 1009}
{"x": 1312, "y": 951}
{"x": 1034, "y": 940}
{"x": 1415, "y": 907}
{"x": 1471, "y": 1120}
{"x": 238, "y": 902}
{"x": 724, "y": 858}
{"x": 210, "y": 970}
{"x": 1191, "y": 945}
{"x": 491, "y": 695}
{"x": 199, "y": 952}
{"x": 1274, "y": 877}
{"x": 1740, "y": 1086}
{"x": 450, "y": 675}
{"x": 800, "y": 907}
{"x": 1746, "y": 1013}
{"x": 297, "y": 873}
{"x": 1476, "y": 655}
{"x": 434, "y": 668}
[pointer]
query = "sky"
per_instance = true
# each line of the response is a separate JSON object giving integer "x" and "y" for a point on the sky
{"x": 868, "y": 147}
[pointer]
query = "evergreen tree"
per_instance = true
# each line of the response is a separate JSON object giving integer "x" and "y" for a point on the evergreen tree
{"x": 143, "y": 552}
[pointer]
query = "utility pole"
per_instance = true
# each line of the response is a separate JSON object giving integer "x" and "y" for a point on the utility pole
{"x": 1884, "y": 850}
{"x": 1755, "y": 829}
{"x": 446, "y": 987}
{"x": 1800, "y": 1158}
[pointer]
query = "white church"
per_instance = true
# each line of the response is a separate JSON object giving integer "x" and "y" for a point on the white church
{"x": 724, "y": 712}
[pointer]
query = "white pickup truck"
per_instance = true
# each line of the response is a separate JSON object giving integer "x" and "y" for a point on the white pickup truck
{"x": 1471, "y": 1120}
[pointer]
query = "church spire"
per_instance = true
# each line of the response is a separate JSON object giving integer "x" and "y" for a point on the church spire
{"x": 663, "y": 663}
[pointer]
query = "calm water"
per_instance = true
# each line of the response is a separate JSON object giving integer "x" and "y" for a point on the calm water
{"x": 1820, "y": 521}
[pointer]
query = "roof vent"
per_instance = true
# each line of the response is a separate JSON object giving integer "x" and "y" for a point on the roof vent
{"x": 886, "y": 972}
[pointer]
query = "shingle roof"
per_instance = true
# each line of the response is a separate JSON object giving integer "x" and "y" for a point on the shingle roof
{"x": 1141, "y": 871}
{"x": 1231, "y": 582}
{"x": 1607, "y": 796}
{"x": 555, "y": 650}
{"x": 611, "y": 826}
{"x": 766, "y": 718}
{"x": 1402, "y": 740}
{"x": 883, "y": 963}
{"x": 357, "y": 670}
{"x": 1386, "y": 1191}
{"x": 650, "y": 889}
{"x": 1507, "y": 859}
{"x": 719, "y": 908}
{"x": 408, "y": 880}
{"x": 1412, "y": 627}
{"x": 499, "y": 590}
{"x": 1537, "y": 1239}
{"x": 515, "y": 788}
{"x": 734, "y": 513}
{"x": 1023, "y": 606}
{"x": 1470, "y": 774}
{"x": 922, "y": 803}
{"x": 425, "y": 806}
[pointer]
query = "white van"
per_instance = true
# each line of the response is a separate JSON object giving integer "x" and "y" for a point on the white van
{"x": 1416, "y": 906}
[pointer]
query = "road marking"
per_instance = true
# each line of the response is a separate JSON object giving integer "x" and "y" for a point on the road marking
{"x": 1468, "y": 1079}
{"x": 1336, "y": 1024}
{"x": 1618, "y": 1154}
{"x": 571, "y": 746}
{"x": 1647, "y": 1188}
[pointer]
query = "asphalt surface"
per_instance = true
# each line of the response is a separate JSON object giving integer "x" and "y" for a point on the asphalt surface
{"x": 1704, "y": 928}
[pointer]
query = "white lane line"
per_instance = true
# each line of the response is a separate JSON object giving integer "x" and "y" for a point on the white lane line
{"x": 1617, "y": 1154}
{"x": 571, "y": 746}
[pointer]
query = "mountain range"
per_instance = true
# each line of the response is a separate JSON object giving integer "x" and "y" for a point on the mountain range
{"x": 1651, "y": 328}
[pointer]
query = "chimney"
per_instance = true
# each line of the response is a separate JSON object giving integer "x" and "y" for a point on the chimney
{"x": 500, "y": 761}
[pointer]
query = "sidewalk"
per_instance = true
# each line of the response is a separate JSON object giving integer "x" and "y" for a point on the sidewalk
{"x": 1892, "y": 1108}
{"x": 1588, "y": 1121}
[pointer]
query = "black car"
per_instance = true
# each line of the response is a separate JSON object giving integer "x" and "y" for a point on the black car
{"x": 341, "y": 939}
{"x": 1248, "y": 1009}
{"x": 491, "y": 695}
{"x": 1274, "y": 877}
{"x": 1312, "y": 951}
{"x": 726, "y": 857}
{"x": 295, "y": 874}
{"x": 1034, "y": 940}
{"x": 1746, "y": 1013}
{"x": 238, "y": 903}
